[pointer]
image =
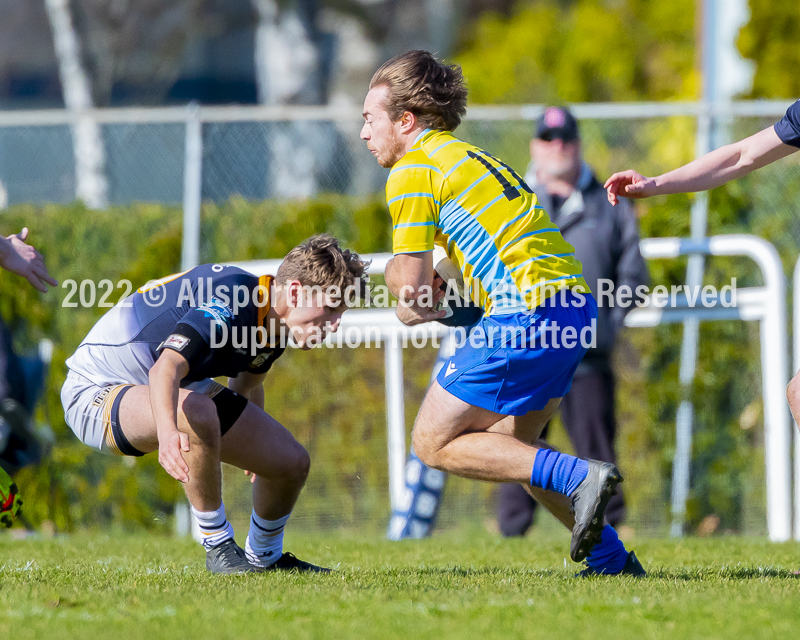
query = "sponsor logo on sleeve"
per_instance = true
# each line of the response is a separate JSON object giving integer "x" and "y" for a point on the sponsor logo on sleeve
{"x": 176, "y": 342}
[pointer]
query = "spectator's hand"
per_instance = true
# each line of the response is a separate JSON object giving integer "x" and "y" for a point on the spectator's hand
{"x": 251, "y": 474}
{"x": 629, "y": 184}
{"x": 22, "y": 259}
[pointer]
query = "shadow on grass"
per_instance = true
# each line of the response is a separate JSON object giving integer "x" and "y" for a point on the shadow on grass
{"x": 473, "y": 572}
{"x": 716, "y": 574}
{"x": 689, "y": 574}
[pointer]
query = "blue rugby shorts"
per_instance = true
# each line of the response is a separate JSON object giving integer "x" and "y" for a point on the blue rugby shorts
{"x": 512, "y": 364}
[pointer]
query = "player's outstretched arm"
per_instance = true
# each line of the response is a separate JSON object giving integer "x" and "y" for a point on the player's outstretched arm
{"x": 165, "y": 378}
{"x": 708, "y": 172}
{"x": 22, "y": 259}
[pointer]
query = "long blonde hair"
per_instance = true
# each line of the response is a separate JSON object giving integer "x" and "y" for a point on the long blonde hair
{"x": 417, "y": 82}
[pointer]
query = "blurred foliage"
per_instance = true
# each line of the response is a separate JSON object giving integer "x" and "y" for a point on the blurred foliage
{"x": 770, "y": 39}
{"x": 552, "y": 51}
{"x": 244, "y": 230}
{"x": 582, "y": 51}
{"x": 141, "y": 242}
{"x": 728, "y": 459}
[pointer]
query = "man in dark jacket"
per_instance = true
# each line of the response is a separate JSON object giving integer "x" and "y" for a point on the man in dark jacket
{"x": 606, "y": 241}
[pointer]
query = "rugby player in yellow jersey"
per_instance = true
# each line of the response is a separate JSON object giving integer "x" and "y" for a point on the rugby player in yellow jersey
{"x": 482, "y": 416}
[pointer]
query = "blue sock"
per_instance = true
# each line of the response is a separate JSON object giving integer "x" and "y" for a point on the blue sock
{"x": 609, "y": 555}
{"x": 558, "y": 472}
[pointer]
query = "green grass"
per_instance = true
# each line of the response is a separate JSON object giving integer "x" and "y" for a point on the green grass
{"x": 452, "y": 586}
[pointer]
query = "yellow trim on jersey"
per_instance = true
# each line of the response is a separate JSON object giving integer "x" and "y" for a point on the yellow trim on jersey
{"x": 448, "y": 192}
{"x": 161, "y": 281}
{"x": 264, "y": 298}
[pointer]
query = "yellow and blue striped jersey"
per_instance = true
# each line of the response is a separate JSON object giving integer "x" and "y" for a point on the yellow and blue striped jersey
{"x": 445, "y": 191}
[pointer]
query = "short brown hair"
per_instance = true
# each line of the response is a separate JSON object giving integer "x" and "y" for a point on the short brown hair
{"x": 321, "y": 262}
{"x": 433, "y": 91}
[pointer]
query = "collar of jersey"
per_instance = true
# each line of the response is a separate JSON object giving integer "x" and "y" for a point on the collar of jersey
{"x": 264, "y": 298}
{"x": 421, "y": 135}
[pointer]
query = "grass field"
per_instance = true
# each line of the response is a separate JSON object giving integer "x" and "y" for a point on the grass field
{"x": 452, "y": 586}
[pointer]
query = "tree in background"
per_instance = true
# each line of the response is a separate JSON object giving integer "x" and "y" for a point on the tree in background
{"x": 140, "y": 46}
{"x": 596, "y": 50}
{"x": 91, "y": 185}
{"x": 292, "y": 60}
{"x": 771, "y": 40}
{"x": 583, "y": 51}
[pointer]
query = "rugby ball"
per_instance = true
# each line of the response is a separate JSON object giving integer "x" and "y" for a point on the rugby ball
{"x": 461, "y": 311}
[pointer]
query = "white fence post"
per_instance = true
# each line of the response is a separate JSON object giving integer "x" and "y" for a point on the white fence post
{"x": 774, "y": 373}
{"x": 684, "y": 420}
{"x": 192, "y": 188}
{"x": 795, "y": 367}
{"x": 767, "y": 304}
{"x": 395, "y": 417}
{"x": 190, "y": 251}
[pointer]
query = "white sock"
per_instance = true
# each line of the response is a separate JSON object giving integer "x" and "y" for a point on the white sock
{"x": 265, "y": 540}
{"x": 214, "y": 526}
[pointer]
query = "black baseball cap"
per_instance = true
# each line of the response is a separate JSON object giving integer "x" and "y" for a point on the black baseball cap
{"x": 557, "y": 122}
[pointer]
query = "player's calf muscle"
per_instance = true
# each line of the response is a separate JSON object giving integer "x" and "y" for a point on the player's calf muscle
{"x": 292, "y": 466}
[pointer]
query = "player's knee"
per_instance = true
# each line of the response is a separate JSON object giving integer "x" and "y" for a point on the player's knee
{"x": 793, "y": 389}
{"x": 425, "y": 449}
{"x": 200, "y": 413}
{"x": 303, "y": 464}
{"x": 297, "y": 465}
{"x": 294, "y": 467}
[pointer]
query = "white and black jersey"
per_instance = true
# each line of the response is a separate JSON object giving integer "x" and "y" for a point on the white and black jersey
{"x": 208, "y": 314}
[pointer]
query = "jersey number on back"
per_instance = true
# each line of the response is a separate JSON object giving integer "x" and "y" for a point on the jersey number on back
{"x": 509, "y": 191}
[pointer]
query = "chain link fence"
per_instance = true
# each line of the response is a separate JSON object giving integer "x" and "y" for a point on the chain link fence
{"x": 279, "y": 156}
{"x": 265, "y": 153}
{"x": 262, "y": 153}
